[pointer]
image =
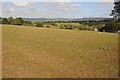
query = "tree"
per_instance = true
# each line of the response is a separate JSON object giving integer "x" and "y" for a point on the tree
{"x": 27, "y": 23}
{"x": 111, "y": 26}
{"x": 11, "y": 20}
{"x": 21, "y": 20}
{"x": 38, "y": 24}
{"x": 18, "y": 21}
{"x": 116, "y": 11}
{"x": 0, "y": 20}
{"x": 4, "y": 21}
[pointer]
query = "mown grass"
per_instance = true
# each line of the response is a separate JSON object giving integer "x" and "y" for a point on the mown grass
{"x": 47, "y": 52}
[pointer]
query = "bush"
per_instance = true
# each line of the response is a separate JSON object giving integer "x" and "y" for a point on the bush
{"x": 75, "y": 27}
{"x": 0, "y": 20}
{"x": 27, "y": 23}
{"x": 38, "y": 24}
{"x": 111, "y": 26}
{"x": 4, "y": 21}
{"x": 18, "y": 21}
{"x": 48, "y": 26}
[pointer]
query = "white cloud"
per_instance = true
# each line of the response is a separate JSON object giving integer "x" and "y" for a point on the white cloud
{"x": 107, "y": 0}
{"x": 53, "y": 0}
{"x": 11, "y": 9}
{"x": 63, "y": 6}
{"x": 51, "y": 9}
{"x": 108, "y": 3}
{"x": 23, "y": 4}
{"x": 35, "y": 0}
{"x": 60, "y": 0}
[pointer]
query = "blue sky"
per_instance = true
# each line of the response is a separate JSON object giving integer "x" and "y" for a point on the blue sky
{"x": 57, "y": 8}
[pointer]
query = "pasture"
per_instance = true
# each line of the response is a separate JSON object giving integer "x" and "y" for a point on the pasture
{"x": 32, "y": 52}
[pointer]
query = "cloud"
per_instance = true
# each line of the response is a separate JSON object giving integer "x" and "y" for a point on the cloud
{"x": 107, "y": 0}
{"x": 63, "y": 6}
{"x": 54, "y": 9}
{"x": 54, "y": 1}
{"x": 35, "y": 0}
{"x": 34, "y": 10}
{"x": 11, "y": 10}
{"x": 60, "y": 0}
{"x": 22, "y": 4}
{"x": 107, "y": 3}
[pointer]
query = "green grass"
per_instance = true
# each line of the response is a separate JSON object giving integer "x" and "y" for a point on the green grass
{"x": 48, "y": 52}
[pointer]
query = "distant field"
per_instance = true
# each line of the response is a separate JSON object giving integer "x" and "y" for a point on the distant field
{"x": 55, "y": 53}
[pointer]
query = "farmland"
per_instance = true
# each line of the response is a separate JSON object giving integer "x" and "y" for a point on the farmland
{"x": 32, "y": 52}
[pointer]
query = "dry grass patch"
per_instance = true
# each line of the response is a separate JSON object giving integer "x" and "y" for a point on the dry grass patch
{"x": 43, "y": 52}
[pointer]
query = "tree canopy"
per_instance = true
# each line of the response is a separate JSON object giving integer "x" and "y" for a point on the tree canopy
{"x": 14, "y": 21}
{"x": 116, "y": 10}
{"x": 4, "y": 21}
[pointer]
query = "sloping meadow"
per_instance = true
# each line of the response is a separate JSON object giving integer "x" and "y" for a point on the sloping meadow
{"x": 31, "y": 52}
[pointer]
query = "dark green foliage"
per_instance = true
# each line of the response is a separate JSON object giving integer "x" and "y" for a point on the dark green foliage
{"x": 75, "y": 27}
{"x": 39, "y": 24}
{"x": 48, "y": 26}
{"x": 27, "y": 23}
{"x": 94, "y": 23}
{"x": 0, "y": 20}
{"x": 10, "y": 20}
{"x": 16, "y": 21}
{"x": 85, "y": 28}
{"x": 111, "y": 26}
{"x": 21, "y": 20}
{"x": 4, "y": 21}
{"x": 68, "y": 27}
{"x": 53, "y": 24}
{"x": 103, "y": 26}
{"x": 116, "y": 11}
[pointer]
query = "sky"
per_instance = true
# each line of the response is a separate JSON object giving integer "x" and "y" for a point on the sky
{"x": 56, "y": 8}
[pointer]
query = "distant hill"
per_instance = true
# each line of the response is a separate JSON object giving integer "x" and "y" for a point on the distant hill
{"x": 66, "y": 19}
{"x": 93, "y": 19}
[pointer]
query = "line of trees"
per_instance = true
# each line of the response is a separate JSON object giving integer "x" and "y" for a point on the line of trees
{"x": 15, "y": 21}
{"x": 111, "y": 26}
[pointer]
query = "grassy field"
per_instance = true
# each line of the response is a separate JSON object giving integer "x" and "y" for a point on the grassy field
{"x": 0, "y": 51}
{"x": 55, "y": 53}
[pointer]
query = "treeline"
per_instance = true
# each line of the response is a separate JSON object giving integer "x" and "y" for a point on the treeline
{"x": 111, "y": 26}
{"x": 15, "y": 21}
{"x": 64, "y": 25}
{"x": 102, "y": 26}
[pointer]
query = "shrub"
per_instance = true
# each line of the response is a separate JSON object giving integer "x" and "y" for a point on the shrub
{"x": 111, "y": 26}
{"x": 48, "y": 26}
{"x": 38, "y": 24}
{"x": 27, "y": 23}
{"x": 4, "y": 21}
